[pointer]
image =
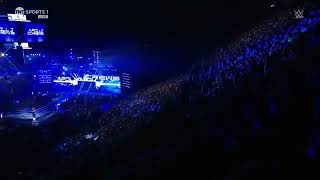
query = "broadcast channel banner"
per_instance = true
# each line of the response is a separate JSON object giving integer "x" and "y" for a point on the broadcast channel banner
{"x": 9, "y": 32}
{"x": 34, "y": 33}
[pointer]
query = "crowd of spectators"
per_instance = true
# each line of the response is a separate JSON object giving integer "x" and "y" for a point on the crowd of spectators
{"x": 253, "y": 47}
{"x": 209, "y": 77}
{"x": 206, "y": 79}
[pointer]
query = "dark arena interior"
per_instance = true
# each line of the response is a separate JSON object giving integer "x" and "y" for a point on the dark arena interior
{"x": 152, "y": 89}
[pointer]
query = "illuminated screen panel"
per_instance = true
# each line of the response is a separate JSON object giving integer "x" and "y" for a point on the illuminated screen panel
{"x": 111, "y": 85}
{"x": 34, "y": 32}
{"x": 8, "y": 31}
{"x": 44, "y": 76}
{"x": 98, "y": 83}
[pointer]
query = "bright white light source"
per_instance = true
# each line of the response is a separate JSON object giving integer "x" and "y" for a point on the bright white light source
{"x": 2, "y": 54}
{"x": 272, "y": 5}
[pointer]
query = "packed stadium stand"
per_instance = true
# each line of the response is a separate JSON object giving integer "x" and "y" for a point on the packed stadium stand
{"x": 252, "y": 111}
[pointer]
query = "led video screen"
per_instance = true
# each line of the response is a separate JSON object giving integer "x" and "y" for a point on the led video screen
{"x": 44, "y": 76}
{"x": 8, "y": 32}
{"x": 34, "y": 33}
{"x": 98, "y": 83}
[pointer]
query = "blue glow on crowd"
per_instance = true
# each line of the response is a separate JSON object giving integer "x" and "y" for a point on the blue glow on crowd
{"x": 210, "y": 76}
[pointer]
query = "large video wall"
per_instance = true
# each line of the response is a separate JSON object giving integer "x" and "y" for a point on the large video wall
{"x": 22, "y": 32}
{"x": 9, "y": 32}
{"x": 103, "y": 82}
{"x": 34, "y": 33}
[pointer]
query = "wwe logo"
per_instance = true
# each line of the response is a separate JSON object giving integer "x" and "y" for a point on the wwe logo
{"x": 299, "y": 14}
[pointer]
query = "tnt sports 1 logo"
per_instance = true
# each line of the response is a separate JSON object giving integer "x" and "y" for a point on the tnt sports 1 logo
{"x": 42, "y": 14}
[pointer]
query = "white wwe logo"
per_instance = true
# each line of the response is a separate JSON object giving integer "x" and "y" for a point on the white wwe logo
{"x": 299, "y": 14}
